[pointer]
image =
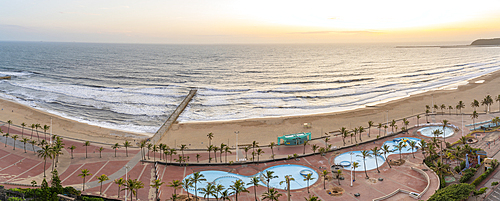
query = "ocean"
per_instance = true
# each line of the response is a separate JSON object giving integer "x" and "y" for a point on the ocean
{"x": 135, "y": 87}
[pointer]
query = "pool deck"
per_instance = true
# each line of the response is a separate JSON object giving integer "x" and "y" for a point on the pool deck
{"x": 18, "y": 167}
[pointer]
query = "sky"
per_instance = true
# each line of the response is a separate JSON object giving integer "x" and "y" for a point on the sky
{"x": 248, "y": 22}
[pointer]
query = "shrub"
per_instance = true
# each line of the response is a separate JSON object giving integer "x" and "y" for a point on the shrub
{"x": 462, "y": 165}
{"x": 482, "y": 176}
{"x": 15, "y": 199}
{"x": 494, "y": 183}
{"x": 443, "y": 183}
{"x": 457, "y": 169}
{"x": 467, "y": 174}
{"x": 92, "y": 199}
{"x": 453, "y": 192}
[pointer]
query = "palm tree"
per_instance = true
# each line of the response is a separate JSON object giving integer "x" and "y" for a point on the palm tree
{"x": 115, "y": 147}
{"x": 364, "y": 154}
{"x": 197, "y": 177}
{"x": 218, "y": 189}
{"x": 86, "y": 144}
{"x": 324, "y": 174}
{"x": 443, "y": 106}
{"x": 120, "y": 182}
{"x": 45, "y": 128}
{"x": 101, "y": 179}
{"x": 427, "y": 115}
{"x": 247, "y": 148}
{"x": 198, "y": 156}
{"x": 84, "y": 174}
{"x": 306, "y": 142}
{"x": 445, "y": 123}
{"x": 222, "y": 146}
{"x": 288, "y": 179}
{"x": 254, "y": 144}
{"x": 271, "y": 145}
{"x": 268, "y": 176}
{"x": 343, "y": 131}
{"x": 441, "y": 168}
{"x": 376, "y": 153}
{"x": 370, "y": 124}
{"x": 72, "y": 148}
{"x": 14, "y": 138}
{"x": 255, "y": 182}
{"x": 9, "y": 122}
{"x": 314, "y": 147}
{"x": 22, "y": 131}
{"x": 45, "y": 152}
{"x": 187, "y": 184}
{"x": 308, "y": 178}
{"x": 155, "y": 149}
{"x": 210, "y": 137}
{"x": 393, "y": 124}
{"x": 400, "y": 147}
{"x": 474, "y": 104}
{"x": 6, "y": 135}
{"x": 487, "y": 101}
{"x": 497, "y": 99}
{"x": 326, "y": 139}
{"x": 215, "y": 149}
{"x": 436, "y": 107}
{"x": 25, "y": 140}
{"x": 353, "y": 134}
{"x": 210, "y": 149}
{"x": 126, "y": 144}
{"x": 259, "y": 152}
{"x": 423, "y": 145}
{"x": 142, "y": 145}
{"x": 460, "y": 106}
{"x": 312, "y": 198}
{"x": 176, "y": 184}
{"x": 354, "y": 166}
{"x": 32, "y": 130}
{"x": 473, "y": 116}
{"x": 339, "y": 174}
{"x": 413, "y": 145}
{"x": 238, "y": 187}
{"x": 208, "y": 190}
{"x": 182, "y": 148}
{"x": 224, "y": 195}
{"x": 360, "y": 130}
{"x": 33, "y": 142}
{"x": 450, "y": 108}
{"x": 418, "y": 117}
{"x": 228, "y": 150}
{"x": 273, "y": 195}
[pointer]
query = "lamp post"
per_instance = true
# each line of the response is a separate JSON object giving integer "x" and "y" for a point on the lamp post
{"x": 237, "y": 156}
{"x": 126, "y": 172}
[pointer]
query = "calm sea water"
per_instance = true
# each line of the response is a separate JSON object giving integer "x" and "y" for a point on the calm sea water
{"x": 135, "y": 87}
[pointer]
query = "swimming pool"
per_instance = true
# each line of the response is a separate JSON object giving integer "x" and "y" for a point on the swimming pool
{"x": 227, "y": 179}
{"x": 427, "y": 131}
{"x": 345, "y": 158}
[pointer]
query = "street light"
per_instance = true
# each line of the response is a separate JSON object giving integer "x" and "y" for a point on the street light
{"x": 237, "y": 157}
{"x": 126, "y": 172}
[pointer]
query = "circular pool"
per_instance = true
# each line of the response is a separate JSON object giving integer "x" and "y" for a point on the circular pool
{"x": 428, "y": 131}
{"x": 226, "y": 179}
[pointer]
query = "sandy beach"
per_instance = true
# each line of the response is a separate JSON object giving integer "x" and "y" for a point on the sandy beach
{"x": 264, "y": 130}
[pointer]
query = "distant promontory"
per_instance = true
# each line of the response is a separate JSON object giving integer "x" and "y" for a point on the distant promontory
{"x": 493, "y": 41}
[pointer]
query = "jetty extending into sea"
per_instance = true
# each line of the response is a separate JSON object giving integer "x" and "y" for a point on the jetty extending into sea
{"x": 173, "y": 117}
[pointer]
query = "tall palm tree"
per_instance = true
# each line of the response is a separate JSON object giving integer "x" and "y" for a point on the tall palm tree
{"x": 497, "y": 99}
{"x": 100, "y": 151}
{"x": 210, "y": 137}
{"x": 222, "y": 146}
{"x": 86, "y": 144}
{"x": 155, "y": 149}
{"x": 360, "y": 130}
{"x": 413, "y": 145}
{"x": 72, "y": 148}
{"x": 474, "y": 104}
{"x": 272, "y": 195}
{"x": 218, "y": 189}
{"x": 418, "y": 117}
{"x": 182, "y": 148}
{"x": 45, "y": 128}
{"x": 436, "y": 107}
{"x": 441, "y": 168}
{"x": 197, "y": 177}
{"x": 445, "y": 123}
{"x": 460, "y": 106}
{"x": 473, "y": 116}
{"x": 6, "y": 135}
{"x": 268, "y": 176}
{"x": 254, "y": 144}
{"x": 271, "y": 145}
{"x": 238, "y": 187}
{"x": 354, "y": 166}
{"x": 353, "y": 134}
{"x": 127, "y": 144}
{"x": 15, "y": 139}
{"x": 365, "y": 154}
{"x": 314, "y": 147}
{"x": 400, "y": 147}
{"x": 392, "y": 125}
{"x": 343, "y": 132}
{"x": 208, "y": 190}
{"x": 37, "y": 126}
{"x": 443, "y": 106}
{"x": 375, "y": 154}
{"x": 288, "y": 179}
{"x": 370, "y": 124}
{"x": 385, "y": 128}
{"x": 324, "y": 174}
{"x": 101, "y": 179}
{"x": 423, "y": 145}
{"x": 215, "y": 149}
{"x": 115, "y": 147}
{"x": 339, "y": 174}
{"x": 308, "y": 178}
{"x": 45, "y": 152}
{"x": 84, "y": 174}
{"x": 228, "y": 150}
{"x": 450, "y": 108}
{"x": 120, "y": 182}
{"x": 255, "y": 182}
{"x": 210, "y": 149}
{"x": 259, "y": 152}
{"x": 142, "y": 145}
{"x": 246, "y": 149}
{"x": 25, "y": 140}
{"x": 9, "y": 122}
{"x": 427, "y": 115}
{"x": 22, "y": 131}
{"x": 33, "y": 142}
{"x": 176, "y": 184}
{"x": 306, "y": 142}
{"x": 187, "y": 183}
{"x": 32, "y": 130}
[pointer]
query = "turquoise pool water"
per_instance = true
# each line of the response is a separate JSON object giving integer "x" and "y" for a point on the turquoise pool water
{"x": 226, "y": 179}
{"x": 427, "y": 131}
{"x": 345, "y": 158}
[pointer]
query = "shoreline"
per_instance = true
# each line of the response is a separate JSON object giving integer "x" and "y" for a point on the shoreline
{"x": 267, "y": 129}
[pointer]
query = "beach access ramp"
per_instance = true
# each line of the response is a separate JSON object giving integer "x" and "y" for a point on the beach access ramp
{"x": 173, "y": 117}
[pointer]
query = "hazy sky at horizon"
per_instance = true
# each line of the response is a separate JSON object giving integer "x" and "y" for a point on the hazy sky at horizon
{"x": 257, "y": 21}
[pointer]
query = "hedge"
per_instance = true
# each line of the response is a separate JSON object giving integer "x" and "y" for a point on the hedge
{"x": 483, "y": 176}
{"x": 467, "y": 174}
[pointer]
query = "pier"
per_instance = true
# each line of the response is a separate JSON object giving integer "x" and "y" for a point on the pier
{"x": 173, "y": 117}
